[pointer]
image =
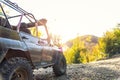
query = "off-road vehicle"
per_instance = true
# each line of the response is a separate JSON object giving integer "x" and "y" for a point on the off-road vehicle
{"x": 21, "y": 51}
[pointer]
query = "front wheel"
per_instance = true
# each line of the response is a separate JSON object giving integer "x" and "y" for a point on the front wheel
{"x": 16, "y": 69}
{"x": 59, "y": 67}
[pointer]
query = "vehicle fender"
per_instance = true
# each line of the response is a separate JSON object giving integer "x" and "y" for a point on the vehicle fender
{"x": 57, "y": 53}
{"x": 6, "y": 44}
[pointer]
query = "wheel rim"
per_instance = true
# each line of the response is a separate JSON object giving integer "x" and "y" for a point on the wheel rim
{"x": 20, "y": 74}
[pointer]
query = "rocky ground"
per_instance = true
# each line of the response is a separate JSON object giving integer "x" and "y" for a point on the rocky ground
{"x": 101, "y": 70}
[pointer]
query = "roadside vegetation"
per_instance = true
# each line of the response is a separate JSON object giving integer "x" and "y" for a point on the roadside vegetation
{"x": 84, "y": 49}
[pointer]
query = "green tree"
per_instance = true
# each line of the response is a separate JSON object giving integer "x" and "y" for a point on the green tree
{"x": 85, "y": 49}
{"x": 73, "y": 54}
{"x": 33, "y": 32}
{"x": 111, "y": 41}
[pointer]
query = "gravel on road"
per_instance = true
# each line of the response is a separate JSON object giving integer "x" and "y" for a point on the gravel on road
{"x": 101, "y": 70}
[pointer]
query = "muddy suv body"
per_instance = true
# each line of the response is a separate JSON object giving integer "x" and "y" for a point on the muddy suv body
{"x": 21, "y": 52}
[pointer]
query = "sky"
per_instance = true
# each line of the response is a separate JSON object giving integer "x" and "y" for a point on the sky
{"x": 68, "y": 18}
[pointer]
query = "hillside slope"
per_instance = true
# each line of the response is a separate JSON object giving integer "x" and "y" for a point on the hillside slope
{"x": 90, "y": 40}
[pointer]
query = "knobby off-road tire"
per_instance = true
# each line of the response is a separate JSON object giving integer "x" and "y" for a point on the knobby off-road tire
{"x": 59, "y": 67}
{"x": 16, "y": 69}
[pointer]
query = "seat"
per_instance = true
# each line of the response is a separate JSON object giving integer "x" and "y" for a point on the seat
{"x": 2, "y": 21}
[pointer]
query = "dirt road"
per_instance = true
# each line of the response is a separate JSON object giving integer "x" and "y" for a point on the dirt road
{"x": 100, "y": 70}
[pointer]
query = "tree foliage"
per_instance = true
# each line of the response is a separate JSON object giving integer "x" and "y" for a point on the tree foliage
{"x": 34, "y": 33}
{"x": 84, "y": 49}
{"x": 111, "y": 41}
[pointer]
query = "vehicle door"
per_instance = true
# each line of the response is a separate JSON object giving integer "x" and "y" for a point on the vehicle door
{"x": 47, "y": 52}
{"x": 34, "y": 48}
{"x": 40, "y": 52}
